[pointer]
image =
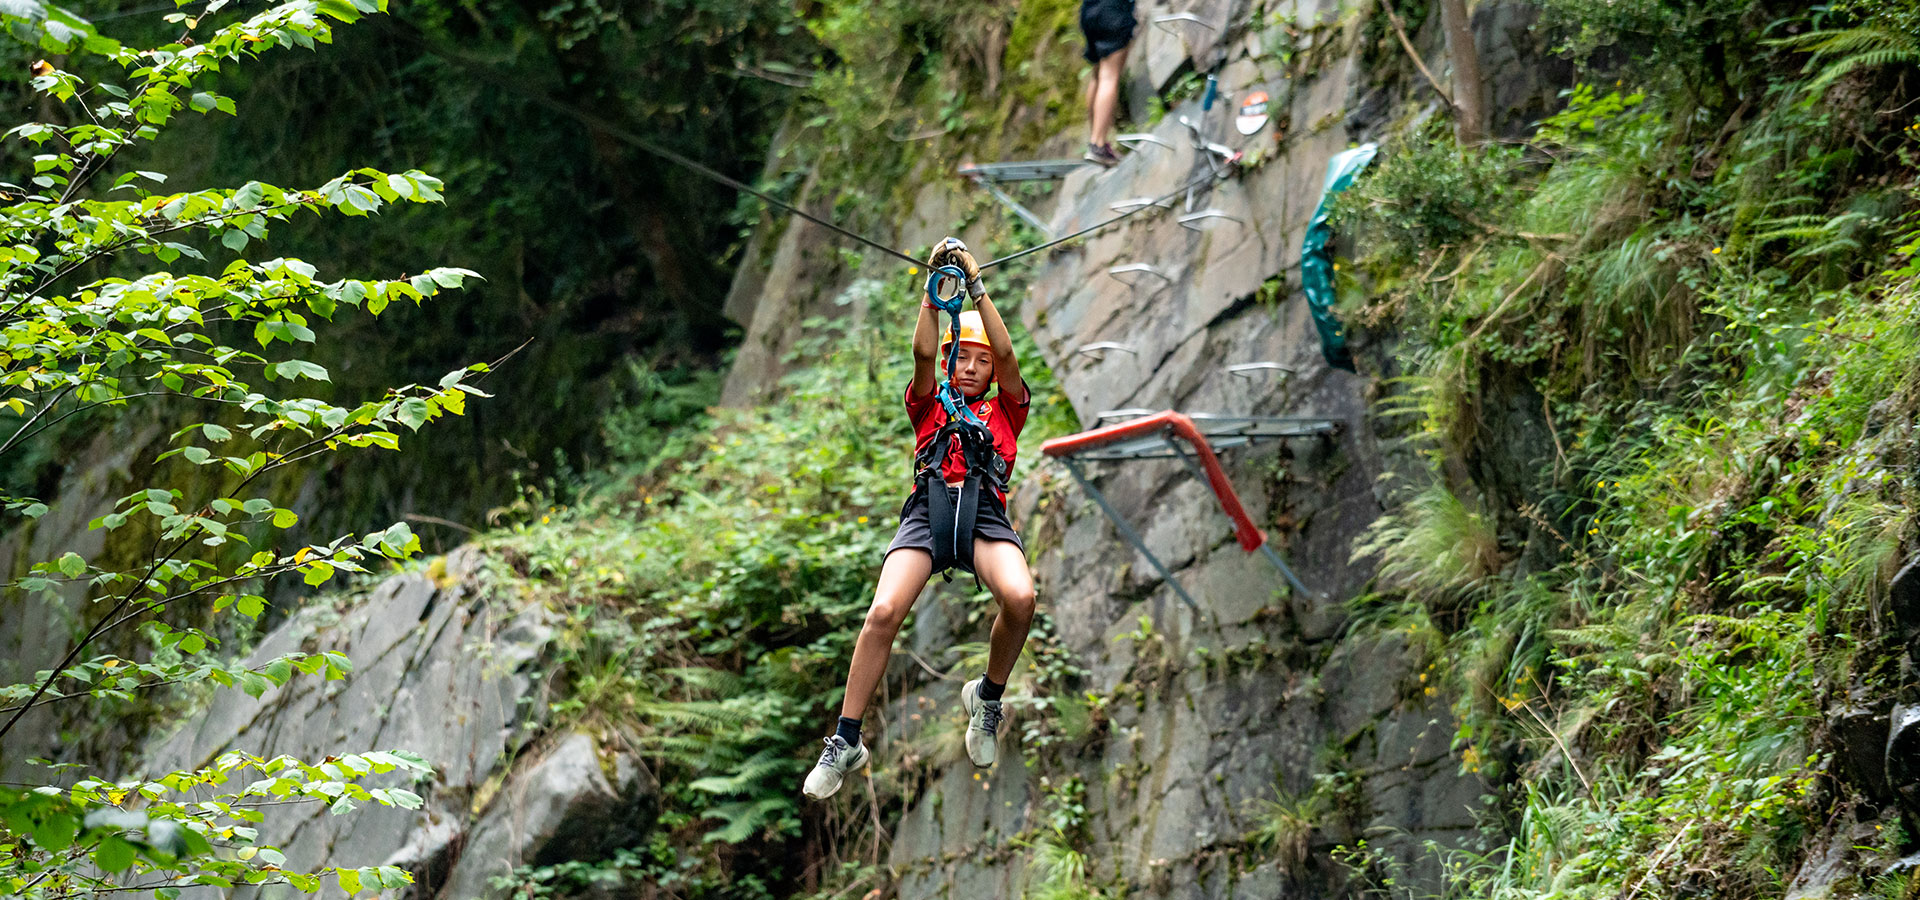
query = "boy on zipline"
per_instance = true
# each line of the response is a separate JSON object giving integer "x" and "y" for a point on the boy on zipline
{"x": 938, "y": 530}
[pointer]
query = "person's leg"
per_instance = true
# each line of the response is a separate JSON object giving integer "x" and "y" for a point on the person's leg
{"x": 1093, "y": 87}
{"x": 1106, "y": 93}
{"x": 1002, "y": 567}
{"x": 902, "y": 577}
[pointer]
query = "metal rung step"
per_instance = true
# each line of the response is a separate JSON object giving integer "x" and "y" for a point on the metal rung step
{"x": 1132, "y": 203}
{"x": 1165, "y": 22}
{"x": 1100, "y": 348}
{"x": 1029, "y": 170}
{"x": 1249, "y": 370}
{"x": 1131, "y": 412}
{"x": 1124, "y": 273}
{"x": 1129, "y": 140}
{"x": 1222, "y": 433}
{"x": 1205, "y": 219}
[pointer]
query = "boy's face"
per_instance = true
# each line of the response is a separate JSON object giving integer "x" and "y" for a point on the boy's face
{"x": 973, "y": 371}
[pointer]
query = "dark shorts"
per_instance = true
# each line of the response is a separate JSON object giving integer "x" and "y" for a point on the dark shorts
{"x": 990, "y": 523}
{"x": 1108, "y": 25}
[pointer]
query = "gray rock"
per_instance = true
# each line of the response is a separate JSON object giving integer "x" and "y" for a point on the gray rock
{"x": 558, "y": 805}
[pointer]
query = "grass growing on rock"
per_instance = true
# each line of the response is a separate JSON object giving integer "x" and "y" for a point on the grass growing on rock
{"x": 1708, "y": 333}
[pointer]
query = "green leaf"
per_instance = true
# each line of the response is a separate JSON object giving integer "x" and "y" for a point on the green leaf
{"x": 250, "y": 605}
{"x": 318, "y": 573}
{"x": 299, "y": 368}
{"x": 71, "y": 565}
{"x": 215, "y": 432}
{"x": 349, "y": 880}
{"x": 202, "y": 101}
{"x": 235, "y": 239}
{"x": 114, "y": 854}
{"x": 285, "y": 518}
{"x": 56, "y": 832}
{"x": 413, "y": 413}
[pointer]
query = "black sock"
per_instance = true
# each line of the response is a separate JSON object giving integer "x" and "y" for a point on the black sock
{"x": 990, "y": 689}
{"x": 849, "y": 731}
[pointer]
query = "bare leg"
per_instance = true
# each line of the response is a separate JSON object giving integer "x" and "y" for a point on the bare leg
{"x": 1106, "y": 93}
{"x": 902, "y": 577}
{"x": 1003, "y": 569}
{"x": 1093, "y": 87}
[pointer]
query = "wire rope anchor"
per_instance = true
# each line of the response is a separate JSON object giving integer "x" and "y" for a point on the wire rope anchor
{"x": 1250, "y": 370}
{"x": 1125, "y": 272}
{"x": 1099, "y": 349}
{"x": 1205, "y": 219}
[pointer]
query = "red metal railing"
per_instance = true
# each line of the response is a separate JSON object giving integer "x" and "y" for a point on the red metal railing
{"x": 1176, "y": 425}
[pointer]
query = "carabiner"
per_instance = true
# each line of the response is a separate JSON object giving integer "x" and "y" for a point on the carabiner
{"x": 947, "y": 273}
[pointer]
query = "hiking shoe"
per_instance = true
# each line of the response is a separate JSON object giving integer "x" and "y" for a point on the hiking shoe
{"x": 836, "y": 762}
{"x": 983, "y": 724}
{"x": 1102, "y": 155}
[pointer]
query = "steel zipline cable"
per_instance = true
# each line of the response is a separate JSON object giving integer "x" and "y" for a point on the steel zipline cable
{"x": 699, "y": 168}
{"x": 708, "y": 172}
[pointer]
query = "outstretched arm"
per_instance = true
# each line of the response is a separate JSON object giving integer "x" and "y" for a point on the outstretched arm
{"x": 926, "y": 345}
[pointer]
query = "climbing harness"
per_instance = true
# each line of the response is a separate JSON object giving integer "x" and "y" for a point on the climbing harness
{"x": 952, "y": 518}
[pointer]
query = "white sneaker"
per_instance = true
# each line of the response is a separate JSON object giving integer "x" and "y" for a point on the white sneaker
{"x": 836, "y": 762}
{"x": 983, "y": 724}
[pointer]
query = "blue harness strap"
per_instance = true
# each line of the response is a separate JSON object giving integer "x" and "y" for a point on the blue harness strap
{"x": 950, "y": 518}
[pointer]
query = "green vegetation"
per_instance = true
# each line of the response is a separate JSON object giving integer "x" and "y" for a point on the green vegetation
{"x": 89, "y": 326}
{"x": 1645, "y": 596}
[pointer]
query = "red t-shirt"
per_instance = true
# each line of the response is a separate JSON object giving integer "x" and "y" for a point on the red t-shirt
{"x": 1003, "y": 417}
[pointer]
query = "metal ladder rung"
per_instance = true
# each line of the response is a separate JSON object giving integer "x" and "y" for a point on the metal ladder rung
{"x": 1137, "y": 269}
{"x": 1132, "y": 203}
{"x": 1128, "y": 140}
{"x": 1164, "y": 22}
{"x": 1100, "y": 348}
{"x": 1248, "y": 370}
{"x": 1025, "y": 170}
{"x": 1208, "y": 215}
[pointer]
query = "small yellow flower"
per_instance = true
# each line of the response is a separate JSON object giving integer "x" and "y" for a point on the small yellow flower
{"x": 1716, "y": 251}
{"x": 1593, "y": 531}
{"x": 913, "y": 270}
{"x": 976, "y": 776}
{"x": 862, "y": 520}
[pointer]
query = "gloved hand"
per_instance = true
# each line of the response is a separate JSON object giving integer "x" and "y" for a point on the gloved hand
{"x": 952, "y": 251}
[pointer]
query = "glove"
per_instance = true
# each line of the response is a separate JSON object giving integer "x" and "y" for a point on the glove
{"x": 952, "y": 251}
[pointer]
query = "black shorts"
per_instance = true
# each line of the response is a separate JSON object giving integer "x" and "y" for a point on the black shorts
{"x": 990, "y": 523}
{"x": 1108, "y": 26}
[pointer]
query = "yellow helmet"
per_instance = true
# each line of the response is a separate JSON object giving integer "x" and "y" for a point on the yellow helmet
{"x": 972, "y": 331}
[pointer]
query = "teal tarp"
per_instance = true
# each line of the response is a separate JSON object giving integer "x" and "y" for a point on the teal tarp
{"x": 1316, "y": 261}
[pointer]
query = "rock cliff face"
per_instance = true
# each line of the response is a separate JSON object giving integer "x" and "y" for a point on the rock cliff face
{"x": 1265, "y": 692}
{"x": 443, "y": 669}
{"x": 1261, "y": 693}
